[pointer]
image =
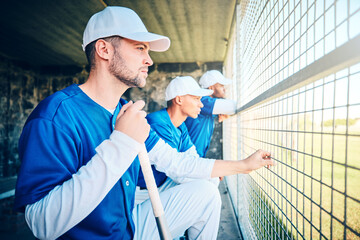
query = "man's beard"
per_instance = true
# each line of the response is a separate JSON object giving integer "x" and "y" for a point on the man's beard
{"x": 119, "y": 69}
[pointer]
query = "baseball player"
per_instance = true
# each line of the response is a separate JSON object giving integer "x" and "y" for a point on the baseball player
{"x": 201, "y": 128}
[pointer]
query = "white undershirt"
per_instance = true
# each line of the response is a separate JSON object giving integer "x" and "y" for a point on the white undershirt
{"x": 111, "y": 110}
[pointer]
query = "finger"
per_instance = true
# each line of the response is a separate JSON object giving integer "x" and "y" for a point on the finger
{"x": 138, "y": 105}
{"x": 124, "y": 108}
{"x": 142, "y": 114}
{"x": 265, "y": 154}
{"x": 269, "y": 163}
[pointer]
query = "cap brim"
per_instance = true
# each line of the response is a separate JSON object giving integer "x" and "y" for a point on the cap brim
{"x": 201, "y": 92}
{"x": 157, "y": 43}
{"x": 225, "y": 81}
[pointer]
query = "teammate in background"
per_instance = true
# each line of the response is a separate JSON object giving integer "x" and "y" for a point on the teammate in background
{"x": 183, "y": 96}
{"x": 79, "y": 147}
{"x": 201, "y": 128}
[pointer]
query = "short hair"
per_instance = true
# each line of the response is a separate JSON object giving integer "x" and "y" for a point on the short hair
{"x": 169, "y": 103}
{"x": 90, "y": 54}
{"x": 90, "y": 48}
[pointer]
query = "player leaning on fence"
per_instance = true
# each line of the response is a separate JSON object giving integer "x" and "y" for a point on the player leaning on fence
{"x": 79, "y": 148}
{"x": 216, "y": 105}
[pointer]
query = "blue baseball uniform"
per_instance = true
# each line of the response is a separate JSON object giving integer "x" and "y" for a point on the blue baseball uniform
{"x": 59, "y": 137}
{"x": 201, "y": 128}
{"x": 176, "y": 137}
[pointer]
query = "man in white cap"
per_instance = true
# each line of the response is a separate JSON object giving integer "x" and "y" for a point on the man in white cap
{"x": 183, "y": 96}
{"x": 79, "y": 149}
{"x": 201, "y": 129}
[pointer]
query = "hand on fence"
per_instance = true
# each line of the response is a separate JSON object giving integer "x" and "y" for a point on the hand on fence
{"x": 222, "y": 117}
{"x": 258, "y": 159}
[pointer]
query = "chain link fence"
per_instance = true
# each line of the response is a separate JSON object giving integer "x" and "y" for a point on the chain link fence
{"x": 297, "y": 71}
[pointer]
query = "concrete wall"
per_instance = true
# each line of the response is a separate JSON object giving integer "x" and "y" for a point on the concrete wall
{"x": 22, "y": 87}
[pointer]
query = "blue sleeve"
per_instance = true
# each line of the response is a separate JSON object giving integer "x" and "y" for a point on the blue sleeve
{"x": 209, "y": 104}
{"x": 46, "y": 161}
{"x": 151, "y": 141}
{"x": 163, "y": 131}
{"x": 186, "y": 142}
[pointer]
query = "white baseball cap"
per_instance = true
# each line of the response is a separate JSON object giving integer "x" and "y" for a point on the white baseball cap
{"x": 124, "y": 22}
{"x": 180, "y": 86}
{"x": 212, "y": 77}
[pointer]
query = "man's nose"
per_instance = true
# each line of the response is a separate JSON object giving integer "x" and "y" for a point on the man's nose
{"x": 148, "y": 61}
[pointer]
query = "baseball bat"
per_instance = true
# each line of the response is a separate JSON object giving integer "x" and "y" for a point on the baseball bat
{"x": 157, "y": 207}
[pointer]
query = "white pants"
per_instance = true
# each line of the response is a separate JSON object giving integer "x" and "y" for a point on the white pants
{"x": 142, "y": 195}
{"x": 193, "y": 205}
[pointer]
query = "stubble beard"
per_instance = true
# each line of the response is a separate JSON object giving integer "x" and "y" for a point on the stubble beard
{"x": 119, "y": 69}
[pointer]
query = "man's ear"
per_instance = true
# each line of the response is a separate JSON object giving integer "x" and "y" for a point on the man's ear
{"x": 212, "y": 87}
{"x": 178, "y": 100}
{"x": 103, "y": 49}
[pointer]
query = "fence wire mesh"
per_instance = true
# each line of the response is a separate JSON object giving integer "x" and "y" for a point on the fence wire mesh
{"x": 313, "y": 131}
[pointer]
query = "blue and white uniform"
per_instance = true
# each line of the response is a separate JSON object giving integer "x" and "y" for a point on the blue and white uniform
{"x": 78, "y": 176}
{"x": 179, "y": 139}
{"x": 58, "y": 139}
{"x": 176, "y": 137}
{"x": 201, "y": 128}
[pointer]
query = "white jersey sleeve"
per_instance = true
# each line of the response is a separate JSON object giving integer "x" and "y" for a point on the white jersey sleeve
{"x": 180, "y": 164}
{"x": 192, "y": 151}
{"x": 224, "y": 106}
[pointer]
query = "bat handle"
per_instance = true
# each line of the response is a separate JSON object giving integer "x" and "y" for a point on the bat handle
{"x": 158, "y": 209}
